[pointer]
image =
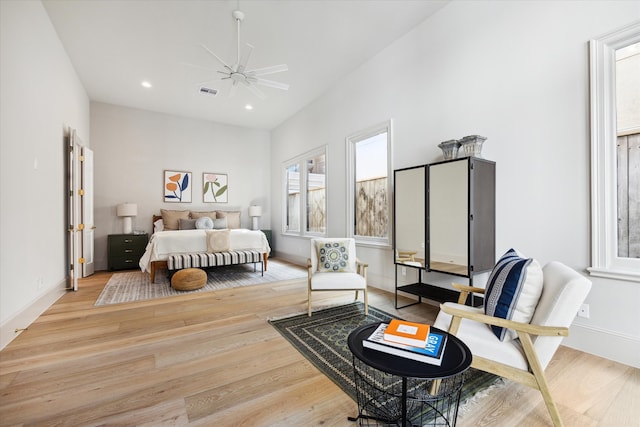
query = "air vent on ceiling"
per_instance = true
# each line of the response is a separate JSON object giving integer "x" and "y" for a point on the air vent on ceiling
{"x": 208, "y": 91}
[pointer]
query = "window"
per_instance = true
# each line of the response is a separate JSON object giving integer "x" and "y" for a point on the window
{"x": 368, "y": 192}
{"x": 292, "y": 198}
{"x": 306, "y": 194}
{"x": 610, "y": 192}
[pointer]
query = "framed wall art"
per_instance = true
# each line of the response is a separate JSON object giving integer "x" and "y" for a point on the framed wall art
{"x": 215, "y": 188}
{"x": 177, "y": 187}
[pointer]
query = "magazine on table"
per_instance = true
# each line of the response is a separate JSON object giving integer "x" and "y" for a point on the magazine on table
{"x": 432, "y": 352}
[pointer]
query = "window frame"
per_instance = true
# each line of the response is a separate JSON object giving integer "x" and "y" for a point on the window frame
{"x": 302, "y": 162}
{"x": 604, "y": 233}
{"x": 351, "y": 142}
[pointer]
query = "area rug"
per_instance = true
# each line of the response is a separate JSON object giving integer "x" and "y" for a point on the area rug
{"x": 136, "y": 286}
{"x": 322, "y": 339}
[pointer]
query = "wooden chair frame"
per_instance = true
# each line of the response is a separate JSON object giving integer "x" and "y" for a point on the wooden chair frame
{"x": 535, "y": 376}
{"x": 361, "y": 269}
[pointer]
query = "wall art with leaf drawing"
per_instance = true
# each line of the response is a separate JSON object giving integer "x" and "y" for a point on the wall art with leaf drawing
{"x": 177, "y": 187}
{"x": 214, "y": 188}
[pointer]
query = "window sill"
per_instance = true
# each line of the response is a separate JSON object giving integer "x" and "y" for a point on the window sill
{"x": 618, "y": 274}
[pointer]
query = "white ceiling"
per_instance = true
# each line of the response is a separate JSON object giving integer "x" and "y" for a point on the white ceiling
{"x": 116, "y": 44}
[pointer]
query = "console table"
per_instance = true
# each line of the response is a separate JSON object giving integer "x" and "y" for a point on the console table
{"x": 399, "y": 391}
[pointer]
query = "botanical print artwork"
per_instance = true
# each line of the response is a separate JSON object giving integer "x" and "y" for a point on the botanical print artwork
{"x": 214, "y": 188}
{"x": 177, "y": 187}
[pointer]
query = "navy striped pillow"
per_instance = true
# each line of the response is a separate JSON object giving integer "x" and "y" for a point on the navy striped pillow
{"x": 514, "y": 279}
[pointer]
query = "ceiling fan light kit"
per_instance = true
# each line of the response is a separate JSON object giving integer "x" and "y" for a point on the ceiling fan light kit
{"x": 238, "y": 73}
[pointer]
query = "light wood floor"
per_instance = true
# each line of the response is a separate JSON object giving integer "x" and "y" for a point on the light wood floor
{"x": 212, "y": 359}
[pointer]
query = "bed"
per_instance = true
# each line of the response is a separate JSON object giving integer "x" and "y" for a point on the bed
{"x": 166, "y": 242}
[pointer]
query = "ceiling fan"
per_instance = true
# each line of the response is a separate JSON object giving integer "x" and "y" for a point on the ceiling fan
{"x": 238, "y": 73}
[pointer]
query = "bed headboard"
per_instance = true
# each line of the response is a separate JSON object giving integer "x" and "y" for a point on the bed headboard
{"x": 155, "y": 218}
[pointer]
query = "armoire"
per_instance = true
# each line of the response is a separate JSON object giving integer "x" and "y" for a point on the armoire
{"x": 444, "y": 228}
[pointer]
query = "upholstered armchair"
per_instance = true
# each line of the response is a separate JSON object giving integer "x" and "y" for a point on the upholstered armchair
{"x": 333, "y": 266}
{"x": 525, "y": 357}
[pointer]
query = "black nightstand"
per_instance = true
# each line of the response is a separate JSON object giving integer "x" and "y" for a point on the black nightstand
{"x": 125, "y": 250}
{"x": 267, "y": 233}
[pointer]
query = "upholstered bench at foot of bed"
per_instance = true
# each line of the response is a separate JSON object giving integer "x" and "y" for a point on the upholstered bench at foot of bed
{"x": 216, "y": 259}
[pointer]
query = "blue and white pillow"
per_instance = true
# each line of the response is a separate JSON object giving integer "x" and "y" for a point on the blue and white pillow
{"x": 513, "y": 290}
{"x": 333, "y": 257}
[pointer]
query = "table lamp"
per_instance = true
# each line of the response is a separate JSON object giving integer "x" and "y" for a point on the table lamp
{"x": 255, "y": 212}
{"x": 127, "y": 211}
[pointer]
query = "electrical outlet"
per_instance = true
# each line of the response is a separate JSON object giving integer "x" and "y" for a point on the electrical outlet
{"x": 404, "y": 271}
{"x": 584, "y": 311}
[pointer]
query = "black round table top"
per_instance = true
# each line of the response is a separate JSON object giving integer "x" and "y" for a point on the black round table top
{"x": 456, "y": 358}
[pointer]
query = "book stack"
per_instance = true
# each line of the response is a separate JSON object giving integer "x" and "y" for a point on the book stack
{"x": 414, "y": 341}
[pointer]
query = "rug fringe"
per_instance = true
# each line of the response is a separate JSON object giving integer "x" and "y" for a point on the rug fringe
{"x": 469, "y": 404}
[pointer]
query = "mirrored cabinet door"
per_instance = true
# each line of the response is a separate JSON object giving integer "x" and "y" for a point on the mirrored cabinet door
{"x": 409, "y": 208}
{"x": 461, "y": 216}
{"x": 447, "y": 217}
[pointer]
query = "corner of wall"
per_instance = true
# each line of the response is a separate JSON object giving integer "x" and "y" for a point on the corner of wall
{"x": 12, "y": 327}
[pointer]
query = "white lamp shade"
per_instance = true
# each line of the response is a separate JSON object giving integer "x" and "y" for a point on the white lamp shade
{"x": 255, "y": 210}
{"x": 127, "y": 209}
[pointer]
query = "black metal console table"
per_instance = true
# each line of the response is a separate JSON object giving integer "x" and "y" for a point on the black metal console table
{"x": 393, "y": 390}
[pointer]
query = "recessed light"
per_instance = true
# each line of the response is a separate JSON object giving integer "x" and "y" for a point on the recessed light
{"x": 248, "y": 107}
{"x": 146, "y": 84}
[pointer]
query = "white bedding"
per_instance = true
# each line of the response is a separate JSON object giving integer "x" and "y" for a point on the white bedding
{"x": 163, "y": 243}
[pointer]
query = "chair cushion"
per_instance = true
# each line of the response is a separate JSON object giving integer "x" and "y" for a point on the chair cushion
{"x": 329, "y": 281}
{"x": 513, "y": 291}
{"x": 482, "y": 341}
{"x": 333, "y": 256}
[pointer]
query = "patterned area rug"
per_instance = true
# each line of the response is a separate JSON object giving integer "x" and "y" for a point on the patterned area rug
{"x": 136, "y": 286}
{"x": 322, "y": 338}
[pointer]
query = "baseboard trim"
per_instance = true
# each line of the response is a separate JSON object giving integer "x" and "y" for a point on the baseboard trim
{"x": 14, "y": 326}
{"x": 609, "y": 344}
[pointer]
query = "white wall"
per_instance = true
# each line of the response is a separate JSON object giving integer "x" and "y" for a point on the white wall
{"x": 41, "y": 97}
{"x": 132, "y": 148}
{"x": 515, "y": 72}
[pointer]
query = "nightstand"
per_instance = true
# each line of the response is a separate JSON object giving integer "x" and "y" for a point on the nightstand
{"x": 267, "y": 233}
{"x": 125, "y": 250}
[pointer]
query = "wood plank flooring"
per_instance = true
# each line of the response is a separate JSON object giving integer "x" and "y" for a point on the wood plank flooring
{"x": 212, "y": 359}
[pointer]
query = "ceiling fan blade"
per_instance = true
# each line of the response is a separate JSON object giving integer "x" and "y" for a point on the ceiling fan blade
{"x": 268, "y": 70}
{"x": 271, "y": 83}
{"x": 216, "y": 56}
{"x": 245, "y": 59}
{"x": 257, "y": 92}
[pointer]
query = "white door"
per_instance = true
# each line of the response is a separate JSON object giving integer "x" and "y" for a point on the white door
{"x": 88, "y": 229}
{"x": 73, "y": 211}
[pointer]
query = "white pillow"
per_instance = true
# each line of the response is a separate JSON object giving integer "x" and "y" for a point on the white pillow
{"x": 158, "y": 226}
{"x": 219, "y": 223}
{"x": 204, "y": 223}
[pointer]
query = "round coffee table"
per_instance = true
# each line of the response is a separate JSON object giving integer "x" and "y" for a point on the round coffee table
{"x": 396, "y": 390}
